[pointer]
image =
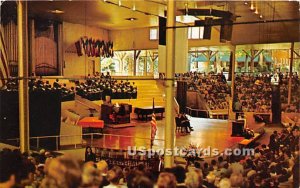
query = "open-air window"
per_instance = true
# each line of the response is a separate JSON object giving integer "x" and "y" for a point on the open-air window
{"x": 153, "y": 34}
{"x": 195, "y": 32}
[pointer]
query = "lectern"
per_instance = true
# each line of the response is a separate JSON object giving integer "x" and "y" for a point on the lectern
{"x": 238, "y": 128}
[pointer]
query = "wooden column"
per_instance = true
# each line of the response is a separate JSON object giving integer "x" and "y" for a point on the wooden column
{"x": 136, "y": 54}
{"x": 60, "y": 59}
{"x": 23, "y": 75}
{"x": 170, "y": 71}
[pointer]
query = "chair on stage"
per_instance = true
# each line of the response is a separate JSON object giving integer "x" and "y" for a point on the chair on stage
{"x": 179, "y": 126}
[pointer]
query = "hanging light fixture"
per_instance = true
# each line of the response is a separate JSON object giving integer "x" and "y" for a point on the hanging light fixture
{"x": 186, "y": 9}
{"x": 133, "y": 7}
{"x": 256, "y": 8}
{"x": 186, "y": 18}
{"x": 120, "y": 3}
{"x": 252, "y": 6}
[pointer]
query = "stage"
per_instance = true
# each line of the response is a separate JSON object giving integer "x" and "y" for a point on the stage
{"x": 207, "y": 133}
{"x": 215, "y": 133}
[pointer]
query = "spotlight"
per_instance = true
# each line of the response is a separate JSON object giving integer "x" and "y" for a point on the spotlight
{"x": 256, "y": 11}
{"x": 261, "y": 16}
{"x": 131, "y": 19}
{"x": 120, "y": 3}
{"x": 133, "y": 8}
{"x": 246, "y": 3}
{"x": 56, "y": 11}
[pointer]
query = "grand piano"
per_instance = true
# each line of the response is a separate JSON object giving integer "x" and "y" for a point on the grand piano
{"x": 143, "y": 112}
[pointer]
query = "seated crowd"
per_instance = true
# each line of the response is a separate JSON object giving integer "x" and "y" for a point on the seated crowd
{"x": 213, "y": 88}
{"x": 98, "y": 87}
{"x": 253, "y": 92}
{"x": 39, "y": 85}
{"x": 295, "y": 98}
{"x": 95, "y": 88}
{"x": 270, "y": 166}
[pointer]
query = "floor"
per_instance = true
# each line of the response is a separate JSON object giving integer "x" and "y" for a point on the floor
{"x": 207, "y": 133}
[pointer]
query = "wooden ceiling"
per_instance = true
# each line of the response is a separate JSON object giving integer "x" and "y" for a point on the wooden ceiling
{"x": 107, "y": 14}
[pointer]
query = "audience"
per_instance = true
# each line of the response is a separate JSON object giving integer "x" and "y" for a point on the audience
{"x": 295, "y": 99}
{"x": 41, "y": 86}
{"x": 114, "y": 176}
{"x": 98, "y": 87}
{"x": 254, "y": 93}
{"x": 166, "y": 180}
{"x": 213, "y": 88}
{"x": 194, "y": 178}
{"x": 270, "y": 166}
{"x": 93, "y": 88}
{"x": 62, "y": 172}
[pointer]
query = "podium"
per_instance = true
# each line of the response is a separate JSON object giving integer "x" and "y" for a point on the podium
{"x": 238, "y": 128}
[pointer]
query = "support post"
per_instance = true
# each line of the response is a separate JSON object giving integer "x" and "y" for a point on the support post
{"x": 136, "y": 55}
{"x": 231, "y": 104}
{"x": 60, "y": 59}
{"x": 23, "y": 75}
{"x": 232, "y": 70}
{"x": 170, "y": 66}
{"x": 134, "y": 63}
{"x": 291, "y": 73}
{"x": 252, "y": 60}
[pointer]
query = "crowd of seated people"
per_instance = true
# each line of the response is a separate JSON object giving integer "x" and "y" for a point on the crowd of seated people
{"x": 295, "y": 98}
{"x": 269, "y": 166}
{"x": 213, "y": 88}
{"x": 98, "y": 87}
{"x": 253, "y": 92}
{"x": 39, "y": 85}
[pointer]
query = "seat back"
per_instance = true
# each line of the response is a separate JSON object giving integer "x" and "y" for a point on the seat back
{"x": 178, "y": 122}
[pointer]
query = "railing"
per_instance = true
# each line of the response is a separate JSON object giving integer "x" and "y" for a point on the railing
{"x": 197, "y": 113}
{"x": 132, "y": 74}
{"x": 91, "y": 139}
{"x": 176, "y": 106}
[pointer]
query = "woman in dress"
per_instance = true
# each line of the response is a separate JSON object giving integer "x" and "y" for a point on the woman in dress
{"x": 89, "y": 155}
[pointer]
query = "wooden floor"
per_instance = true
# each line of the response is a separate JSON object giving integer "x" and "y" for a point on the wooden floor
{"x": 207, "y": 132}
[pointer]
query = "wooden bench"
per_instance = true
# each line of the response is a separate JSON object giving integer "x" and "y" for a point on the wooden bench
{"x": 248, "y": 142}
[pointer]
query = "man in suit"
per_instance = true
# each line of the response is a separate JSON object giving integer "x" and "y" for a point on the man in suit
{"x": 185, "y": 122}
